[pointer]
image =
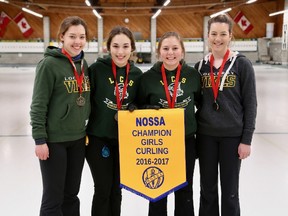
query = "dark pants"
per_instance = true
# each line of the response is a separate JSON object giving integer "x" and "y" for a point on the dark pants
{"x": 222, "y": 153}
{"x": 184, "y": 205}
{"x": 106, "y": 176}
{"x": 61, "y": 176}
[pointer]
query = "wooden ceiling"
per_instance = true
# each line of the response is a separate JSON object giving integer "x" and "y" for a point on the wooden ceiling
{"x": 127, "y": 7}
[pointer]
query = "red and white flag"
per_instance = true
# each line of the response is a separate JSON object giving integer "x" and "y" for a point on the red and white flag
{"x": 23, "y": 25}
{"x": 4, "y": 21}
{"x": 243, "y": 22}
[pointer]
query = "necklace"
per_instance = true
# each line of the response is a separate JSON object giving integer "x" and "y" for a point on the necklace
{"x": 171, "y": 103}
{"x": 215, "y": 86}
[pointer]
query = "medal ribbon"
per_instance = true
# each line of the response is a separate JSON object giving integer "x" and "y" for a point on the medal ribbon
{"x": 215, "y": 86}
{"x": 80, "y": 78}
{"x": 171, "y": 103}
{"x": 120, "y": 101}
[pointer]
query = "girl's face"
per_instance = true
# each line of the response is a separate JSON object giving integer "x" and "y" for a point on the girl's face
{"x": 171, "y": 52}
{"x": 74, "y": 40}
{"x": 219, "y": 37}
{"x": 120, "y": 49}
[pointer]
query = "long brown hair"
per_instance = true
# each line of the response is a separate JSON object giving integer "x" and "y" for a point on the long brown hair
{"x": 121, "y": 30}
{"x": 72, "y": 21}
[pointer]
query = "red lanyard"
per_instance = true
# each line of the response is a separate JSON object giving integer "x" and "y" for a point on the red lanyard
{"x": 80, "y": 78}
{"x": 120, "y": 101}
{"x": 215, "y": 86}
{"x": 171, "y": 103}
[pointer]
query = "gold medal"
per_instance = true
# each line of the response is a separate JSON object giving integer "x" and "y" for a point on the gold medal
{"x": 80, "y": 101}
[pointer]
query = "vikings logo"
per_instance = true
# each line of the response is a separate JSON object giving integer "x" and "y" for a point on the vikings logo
{"x": 179, "y": 90}
{"x": 120, "y": 87}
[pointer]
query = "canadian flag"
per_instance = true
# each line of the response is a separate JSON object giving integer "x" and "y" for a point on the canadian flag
{"x": 4, "y": 21}
{"x": 243, "y": 22}
{"x": 23, "y": 25}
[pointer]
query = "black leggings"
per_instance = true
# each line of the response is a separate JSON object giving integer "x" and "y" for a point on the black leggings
{"x": 184, "y": 205}
{"x": 219, "y": 153}
{"x": 106, "y": 176}
{"x": 61, "y": 176}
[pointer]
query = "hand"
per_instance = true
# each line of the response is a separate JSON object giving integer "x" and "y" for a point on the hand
{"x": 42, "y": 151}
{"x": 148, "y": 106}
{"x": 131, "y": 107}
{"x": 244, "y": 151}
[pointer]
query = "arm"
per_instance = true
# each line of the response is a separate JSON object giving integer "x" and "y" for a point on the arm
{"x": 43, "y": 86}
{"x": 249, "y": 99}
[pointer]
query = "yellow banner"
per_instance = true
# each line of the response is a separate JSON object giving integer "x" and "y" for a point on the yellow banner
{"x": 152, "y": 152}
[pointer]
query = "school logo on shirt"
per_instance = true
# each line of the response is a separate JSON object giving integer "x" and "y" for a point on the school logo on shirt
{"x": 71, "y": 84}
{"x": 180, "y": 92}
{"x": 230, "y": 81}
{"x": 120, "y": 88}
{"x": 109, "y": 102}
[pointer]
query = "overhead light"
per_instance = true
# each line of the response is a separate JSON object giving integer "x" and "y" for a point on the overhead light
{"x": 88, "y": 3}
{"x": 32, "y": 12}
{"x": 250, "y": 1}
{"x": 156, "y": 14}
{"x": 279, "y": 12}
{"x": 97, "y": 14}
{"x": 4, "y": 1}
{"x": 166, "y": 3}
{"x": 220, "y": 12}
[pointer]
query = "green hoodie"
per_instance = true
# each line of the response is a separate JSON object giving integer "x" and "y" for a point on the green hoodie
{"x": 152, "y": 92}
{"x": 55, "y": 116}
{"x": 103, "y": 100}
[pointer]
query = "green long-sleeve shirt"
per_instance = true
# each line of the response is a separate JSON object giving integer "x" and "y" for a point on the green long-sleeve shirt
{"x": 152, "y": 92}
{"x": 103, "y": 96}
{"x": 55, "y": 116}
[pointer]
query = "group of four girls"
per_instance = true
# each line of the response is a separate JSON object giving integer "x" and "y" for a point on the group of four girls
{"x": 71, "y": 100}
